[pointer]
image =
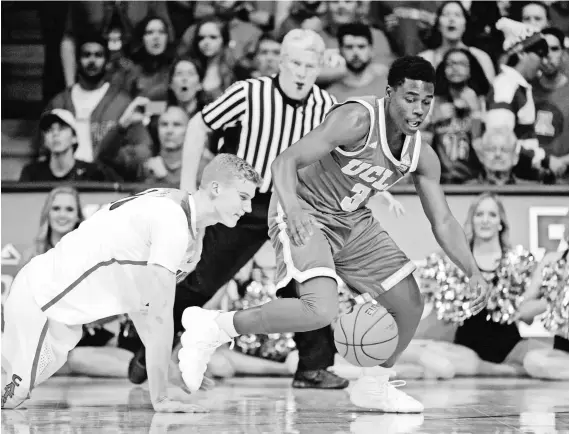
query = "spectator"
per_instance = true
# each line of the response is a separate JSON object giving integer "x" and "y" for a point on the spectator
{"x": 61, "y": 214}
{"x": 185, "y": 88}
{"x": 511, "y": 101}
{"x": 483, "y": 18}
{"x": 345, "y": 12}
{"x": 405, "y": 23}
{"x": 210, "y": 49}
{"x": 499, "y": 155}
{"x": 165, "y": 168}
{"x": 240, "y": 32}
{"x": 298, "y": 13}
{"x": 536, "y": 14}
{"x": 97, "y": 105}
{"x": 551, "y": 94}
{"x": 364, "y": 77}
{"x": 451, "y": 30}
{"x": 95, "y": 17}
{"x": 457, "y": 115}
{"x": 261, "y": 60}
{"x": 59, "y": 132}
{"x": 152, "y": 58}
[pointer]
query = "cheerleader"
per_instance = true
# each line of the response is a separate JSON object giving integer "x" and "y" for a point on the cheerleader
{"x": 550, "y": 364}
{"x": 479, "y": 346}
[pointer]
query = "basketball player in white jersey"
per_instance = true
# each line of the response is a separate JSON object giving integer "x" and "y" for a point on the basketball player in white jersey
{"x": 126, "y": 258}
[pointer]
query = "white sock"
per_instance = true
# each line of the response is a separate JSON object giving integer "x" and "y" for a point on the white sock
{"x": 377, "y": 371}
{"x": 225, "y": 323}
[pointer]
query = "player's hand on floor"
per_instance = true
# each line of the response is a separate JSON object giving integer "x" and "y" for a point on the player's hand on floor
{"x": 300, "y": 226}
{"x": 167, "y": 405}
{"x": 478, "y": 286}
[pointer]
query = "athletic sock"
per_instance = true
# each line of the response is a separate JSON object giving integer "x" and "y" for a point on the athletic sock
{"x": 225, "y": 323}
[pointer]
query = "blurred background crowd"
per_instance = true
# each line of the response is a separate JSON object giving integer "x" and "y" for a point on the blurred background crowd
{"x": 106, "y": 62}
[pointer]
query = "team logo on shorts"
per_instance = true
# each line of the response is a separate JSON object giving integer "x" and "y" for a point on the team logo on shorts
{"x": 10, "y": 388}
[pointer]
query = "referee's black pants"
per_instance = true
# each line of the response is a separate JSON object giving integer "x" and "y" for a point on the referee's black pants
{"x": 225, "y": 252}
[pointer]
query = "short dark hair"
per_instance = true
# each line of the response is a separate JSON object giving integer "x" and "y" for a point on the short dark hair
{"x": 411, "y": 67}
{"x": 555, "y": 32}
{"x": 354, "y": 29}
{"x": 88, "y": 38}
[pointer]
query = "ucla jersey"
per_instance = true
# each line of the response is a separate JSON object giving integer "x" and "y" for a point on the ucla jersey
{"x": 346, "y": 180}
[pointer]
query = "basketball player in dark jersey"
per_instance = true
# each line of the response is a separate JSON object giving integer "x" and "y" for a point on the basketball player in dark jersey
{"x": 321, "y": 230}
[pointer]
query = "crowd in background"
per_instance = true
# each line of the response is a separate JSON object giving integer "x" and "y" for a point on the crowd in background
{"x": 129, "y": 76}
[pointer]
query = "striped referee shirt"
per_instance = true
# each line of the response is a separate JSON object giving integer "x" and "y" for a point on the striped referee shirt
{"x": 269, "y": 121}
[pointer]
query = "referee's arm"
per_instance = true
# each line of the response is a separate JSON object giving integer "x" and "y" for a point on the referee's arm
{"x": 226, "y": 110}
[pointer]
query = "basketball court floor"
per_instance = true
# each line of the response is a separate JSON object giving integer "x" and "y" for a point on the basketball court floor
{"x": 269, "y": 405}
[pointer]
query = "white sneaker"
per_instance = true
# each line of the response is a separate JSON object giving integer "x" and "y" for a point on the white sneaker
{"x": 199, "y": 341}
{"x": 379, "y": 393}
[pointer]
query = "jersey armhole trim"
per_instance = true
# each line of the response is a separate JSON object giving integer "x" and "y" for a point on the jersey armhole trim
{"x": 416, "y": 153}
{"x": 369, "y": 134}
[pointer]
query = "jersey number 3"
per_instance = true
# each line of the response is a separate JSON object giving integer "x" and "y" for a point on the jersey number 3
{"x": 351, "y": 203}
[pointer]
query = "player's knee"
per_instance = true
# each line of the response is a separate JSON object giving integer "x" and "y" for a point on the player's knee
{"x": 323, "y": 310}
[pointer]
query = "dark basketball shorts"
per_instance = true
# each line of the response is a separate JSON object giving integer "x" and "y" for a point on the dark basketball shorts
{"x": 352, "y": 247}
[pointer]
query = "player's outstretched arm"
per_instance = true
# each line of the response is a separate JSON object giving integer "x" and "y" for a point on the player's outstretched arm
{"x": 447, "y": 230}
{"x": 158, "y": 328}
{"x": 346, "y": 126}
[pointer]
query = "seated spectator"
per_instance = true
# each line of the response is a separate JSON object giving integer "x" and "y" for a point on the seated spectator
{"x": 535, "y": 14}
{"x": 551, "y": 95}
{"x": 261, "y": 60}
{"x": 452, "y": 30}
{"x": 210, "y": 49}
{"x": 499, "y": 155}
{"x": 346, "y": 12}
{"x": 97, "y": 17}
{"x": 299, "y": 12}
{"x": 152, "y": 58}
{"x": 511, "y": 103}
{"x": 455, "y": 121}
{"x": 59, "y": 132}
{"x": 363, "y": 77}
{"x": 185, "y": 88}
{"x": 240, "y": 32}
{"x": 165, "y": 168}
{"x": 61, "y": 214}
{"x": 97, "y": 106}
{"x": 405, "y": 23}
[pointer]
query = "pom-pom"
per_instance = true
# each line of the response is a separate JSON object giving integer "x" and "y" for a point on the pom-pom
{"x": 512, "y": 278}
{"x": 555, "y": 290}
{"x": 447, "y": 289}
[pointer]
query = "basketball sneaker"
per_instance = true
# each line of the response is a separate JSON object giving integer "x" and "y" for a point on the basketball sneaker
{"x": 199, "y": 341}
{"x": 378, "y": 393}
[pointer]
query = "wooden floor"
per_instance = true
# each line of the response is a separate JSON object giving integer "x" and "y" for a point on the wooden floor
{"x": 270, "y": 405}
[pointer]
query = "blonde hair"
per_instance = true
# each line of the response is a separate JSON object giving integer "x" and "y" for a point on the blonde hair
{"x": 42, "y": 242}
{"x": 504, "y": 234}
{"x": 304, "y": 39}
{"x": 227, "y": 168}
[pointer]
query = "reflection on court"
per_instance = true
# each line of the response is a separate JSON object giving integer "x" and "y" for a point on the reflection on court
{"x": 270, "y": 405}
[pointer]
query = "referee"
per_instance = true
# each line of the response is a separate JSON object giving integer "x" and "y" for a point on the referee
{"x": 267, "y": 114}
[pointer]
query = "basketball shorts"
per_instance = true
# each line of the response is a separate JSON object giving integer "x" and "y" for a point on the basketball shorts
{"x": 33, "y": 346}
{"x": 352, "y": 247}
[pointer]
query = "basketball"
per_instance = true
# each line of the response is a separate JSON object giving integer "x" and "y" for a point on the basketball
{"x": 367, "y": 336}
